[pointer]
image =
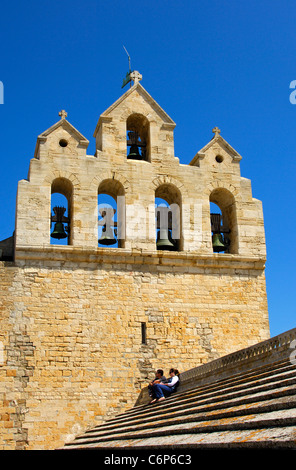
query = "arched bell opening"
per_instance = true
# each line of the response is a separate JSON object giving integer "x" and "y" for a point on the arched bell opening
{"x": 168, "y": 218}
{"x": 111, "y": 214}
{"x": 138, "y": 137}
{"x": 61, "y": 212}
{"x": 223, "y": 222}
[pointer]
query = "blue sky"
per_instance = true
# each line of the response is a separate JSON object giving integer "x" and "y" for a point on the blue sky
{"x": 207, "y": 63}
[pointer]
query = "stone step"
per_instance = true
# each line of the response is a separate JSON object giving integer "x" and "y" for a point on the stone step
{"x": 278, "y": 399}
{"x": 255, "y": 422}
{"x": 250, "y": 439}
{"x": 181, "y": 404}
{"x": 217, "y": 386}
{"x": 271, "y": 412}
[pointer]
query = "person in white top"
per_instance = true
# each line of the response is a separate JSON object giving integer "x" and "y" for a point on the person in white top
{"x": 160, "y": 391}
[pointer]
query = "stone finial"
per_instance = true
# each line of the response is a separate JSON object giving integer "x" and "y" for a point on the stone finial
{"x": 136, "y": 76}
{"x": 216, "y": 131}
{"x": 63, "y": 114}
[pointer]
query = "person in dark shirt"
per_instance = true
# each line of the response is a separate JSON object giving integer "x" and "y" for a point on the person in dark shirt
{"x": 159, "y": 378}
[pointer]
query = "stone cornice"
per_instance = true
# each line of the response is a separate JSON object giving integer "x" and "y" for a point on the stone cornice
{"x": 185, "y": 260}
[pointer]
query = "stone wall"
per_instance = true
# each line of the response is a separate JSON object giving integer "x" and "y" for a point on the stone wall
{"x": 71, "y": 331}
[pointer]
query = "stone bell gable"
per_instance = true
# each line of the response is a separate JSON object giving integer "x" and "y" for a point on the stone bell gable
{"x": 59, "y": 158}
{"x": 136, "y": 109}
{"x": 60, "y": 139}
{"x": 216, "y": 152}
{"x": 135, "y": 120}
{"x": 220, "y": 163}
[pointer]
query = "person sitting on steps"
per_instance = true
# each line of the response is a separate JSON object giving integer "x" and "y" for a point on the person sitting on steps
{"x": 163, "y": 390}
{"x": 159, "y": 378}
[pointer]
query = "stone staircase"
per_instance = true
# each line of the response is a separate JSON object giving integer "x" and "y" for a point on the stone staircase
{"x": 244, "y": 400}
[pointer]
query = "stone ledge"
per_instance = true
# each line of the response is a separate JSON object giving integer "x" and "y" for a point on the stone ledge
{"x": 182, "y": 260}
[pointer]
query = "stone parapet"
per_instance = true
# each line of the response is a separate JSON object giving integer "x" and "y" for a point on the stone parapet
{"x": 277, "y": 348}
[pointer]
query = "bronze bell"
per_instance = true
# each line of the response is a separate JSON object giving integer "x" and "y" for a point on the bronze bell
{"x": 163, "y": 241}
{"x": 107, "y": 237}
{"x": 59, "y": 231}
{"x": 59, "y": 219}
{"x": 218, "y": 243}
{"x": 134, "y": 153}
{"x": 135, "y": 144}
